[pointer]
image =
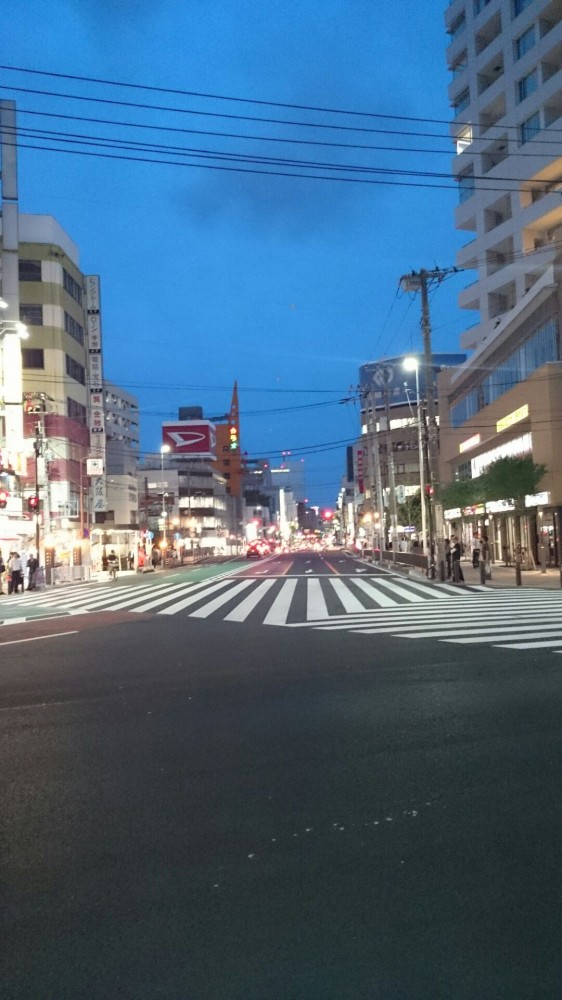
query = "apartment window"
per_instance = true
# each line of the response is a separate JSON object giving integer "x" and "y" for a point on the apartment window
{"x": 529, "y": 129}
{"x": 458, "y": 27}
{"x": 76, "y": 411}
{"x": 31, "y": 314}
{"x": 73, "y": 328}
{"x": 32, "y": 357}
{"x": 519, "y": 6}
{"x": 462, "y": 102}
{"x": 29, "y": 270}
{"x": 466, "y": 187}
{"x": 525, "y": 42}
{"x": 460, "y": 64}
{"x": 527, "y": 85}
{"x": 75, "y": 370}
{"x": 71, "y": 286}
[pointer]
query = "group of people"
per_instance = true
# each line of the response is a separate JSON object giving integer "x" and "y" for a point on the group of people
{"x": 14, "y": 569}
{"x": 453, "y": 552}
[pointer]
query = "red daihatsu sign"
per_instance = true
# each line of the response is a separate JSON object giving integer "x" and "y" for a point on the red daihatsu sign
{"x": 195, "y": 438}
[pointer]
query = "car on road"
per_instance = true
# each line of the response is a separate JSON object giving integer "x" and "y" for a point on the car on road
{"x": 257, "y": 549}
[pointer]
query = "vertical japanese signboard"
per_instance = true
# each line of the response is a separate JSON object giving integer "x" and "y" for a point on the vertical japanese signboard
{"x": 95, "y": 385}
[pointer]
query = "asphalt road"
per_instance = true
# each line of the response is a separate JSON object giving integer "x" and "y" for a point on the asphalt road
{"x": 197, "y": 809}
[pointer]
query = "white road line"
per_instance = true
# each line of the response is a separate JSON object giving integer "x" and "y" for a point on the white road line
{"x": 315, "y": 603}
{"x": 430, "y": 593}
{"x": 349, "y": 601}
{"x": 383, "y": 600}
{"x": 186, "y": 602}
{"x": 522, "y": 632}
{"x": 241, "y": 612}
{"x": 218, "y": 602}
{"x": 531, "y": 645}
{"x": 279, "y": 610}
{"x": 35, "y": 638}
{"x": 395, "y": 588}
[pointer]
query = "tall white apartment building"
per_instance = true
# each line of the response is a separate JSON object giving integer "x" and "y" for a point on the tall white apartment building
{"x": 506, "y": 93}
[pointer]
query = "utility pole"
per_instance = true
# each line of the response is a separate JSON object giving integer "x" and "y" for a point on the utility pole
{"x": 38, "y": 449}
{"x": 419, "y": 281}
{"x": 375, "y": 464}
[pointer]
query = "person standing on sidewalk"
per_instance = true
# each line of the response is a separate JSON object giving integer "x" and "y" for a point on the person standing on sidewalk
{"x": 448, "y": 555}
{"x": 15, "y": 567}
{"x": 485, "y": 553}
{"x": 456, "y": 551}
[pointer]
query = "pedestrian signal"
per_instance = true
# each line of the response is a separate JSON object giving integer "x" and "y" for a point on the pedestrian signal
{"x": 33, "y": 504}
{"x": 3, "y": 498}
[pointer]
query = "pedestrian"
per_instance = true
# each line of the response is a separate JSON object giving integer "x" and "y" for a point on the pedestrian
{"x": 456, "y": 551}
{"x": 131, "y": 560}
{"x": 16, "y": 573}
{"x": 475, "y": 551}
{"x": 448, "y": 557}
{"x": 485, "y": 554}
{"x": 32, "y": 567}
{"x": 2, "y": 571}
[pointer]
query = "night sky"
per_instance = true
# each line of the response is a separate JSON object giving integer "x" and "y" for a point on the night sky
{"x": 218, "y": 262}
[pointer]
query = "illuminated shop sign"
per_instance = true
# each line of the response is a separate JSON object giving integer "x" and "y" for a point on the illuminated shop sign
{"x": 519, "y": 446}
{"x": 469, "y": 443}
{"x": 512, "y": 418}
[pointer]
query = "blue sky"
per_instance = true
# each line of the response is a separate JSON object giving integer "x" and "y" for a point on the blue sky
{"x": 286, "y": 284}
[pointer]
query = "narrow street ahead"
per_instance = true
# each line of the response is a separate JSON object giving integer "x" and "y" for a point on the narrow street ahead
{"x": 203, "y": 806}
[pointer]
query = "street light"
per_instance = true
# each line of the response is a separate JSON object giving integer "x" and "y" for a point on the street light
{"x": 412, "y": 365}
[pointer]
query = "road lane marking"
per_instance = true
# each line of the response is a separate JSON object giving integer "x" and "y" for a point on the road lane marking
{"x": 218, "y": 602}
{"x": 242, "y": 610}
{"x": 279, "y": 610}
{"x": 315, "y": 603}
{"x": 333, "y": 568}
{"x": 374, "y": 593}
{"x": 349, "y": 601}
{"x": 35, "y": 638}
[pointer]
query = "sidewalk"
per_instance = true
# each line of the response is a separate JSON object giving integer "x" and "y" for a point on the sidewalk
{"x": 504, "y": 576}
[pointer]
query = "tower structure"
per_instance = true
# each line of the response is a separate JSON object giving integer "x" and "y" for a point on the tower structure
{"x": 229, "y": 456}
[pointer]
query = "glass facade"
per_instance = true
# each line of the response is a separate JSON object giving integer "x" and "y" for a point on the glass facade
{"x": 541, "y": 347}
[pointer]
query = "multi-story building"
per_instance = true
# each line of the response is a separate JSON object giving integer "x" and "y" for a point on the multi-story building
{"x": 506, "y": 94}
{"x": 69, "y": 416}
{"x": 386, "y": 459}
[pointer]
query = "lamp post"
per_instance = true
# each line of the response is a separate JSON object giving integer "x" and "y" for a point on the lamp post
{"x": 164, "y": 449}
{"x": 412, "y": 364}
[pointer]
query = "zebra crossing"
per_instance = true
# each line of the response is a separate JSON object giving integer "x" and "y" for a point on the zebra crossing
{"x": 233, "y": 597}
{"x": 363, "y": 605}
{"x": 506, "y": 619}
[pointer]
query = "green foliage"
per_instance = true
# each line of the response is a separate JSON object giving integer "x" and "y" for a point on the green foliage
{"x": 463, "y": 493}
{"x": 409, "y": 512}
{"x": 513, "y": 478}
{"x": 507, "y": 479}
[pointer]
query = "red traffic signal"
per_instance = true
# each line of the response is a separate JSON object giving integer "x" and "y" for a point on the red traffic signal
{"x": 3, "y": 498}
{"x": 429, "y": 491}
{"x": 33, "y": 504}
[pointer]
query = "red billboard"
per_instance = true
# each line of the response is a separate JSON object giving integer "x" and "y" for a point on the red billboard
{"x": 193, "y": 438}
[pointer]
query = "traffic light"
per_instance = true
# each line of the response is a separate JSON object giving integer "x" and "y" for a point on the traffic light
{"x": 33, "y": 504}
{"x": 3, "y": 498}
{"x": 233, "y": 437}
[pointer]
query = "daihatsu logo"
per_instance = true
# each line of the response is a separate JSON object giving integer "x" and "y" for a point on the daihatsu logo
{"x": 186, "y": 437}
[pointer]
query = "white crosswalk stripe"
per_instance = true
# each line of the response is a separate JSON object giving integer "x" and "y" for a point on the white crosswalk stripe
{"x": 279, "y": 599}
{"x": 370, "y": 606}
{"x": 506, "y": 619}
